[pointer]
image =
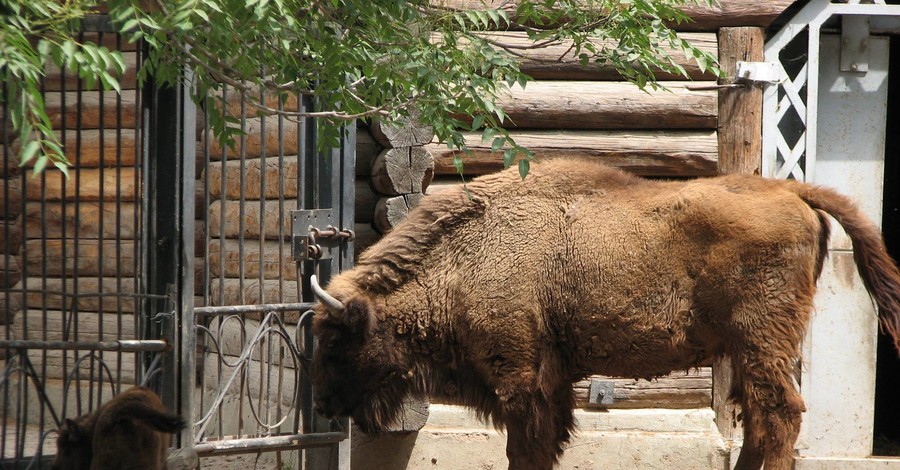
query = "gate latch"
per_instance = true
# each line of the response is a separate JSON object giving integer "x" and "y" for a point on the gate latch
{"x": 314, "y": 234}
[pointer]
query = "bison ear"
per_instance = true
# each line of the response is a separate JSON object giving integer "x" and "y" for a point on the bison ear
{"x": 358, "y": 315}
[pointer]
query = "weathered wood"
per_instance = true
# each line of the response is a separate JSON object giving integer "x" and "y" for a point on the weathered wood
{"x": 10, "y": 272}
{"x": 404, "y": 132}
{"x": 57, "y": 220}
{"x": 10, "y": 236}
{"x": 10, "y": 198}
{"x": 608, "y": 105}
{"x": 391, "y": 210}
{"x": 239, "y": 107}
{"x": 402, "y": 170}
{"x": 91, "y": 148}
{"x": 232, "y": 213}
{"x": 705, "y": 17}
{"x": 56, "y": 80}
{"x": 276, "y": 176}
{"x": 413, "y": 417}
{"x": 52, "y": 185}
{"x": 55, "y": 325}
{"x": 10, "y": 306}
{"x": 261, "y": 134}
{"x": 60, "y": 257}
{"x": 56, "y": 364}
{"x": 691, "y": 389}
{"x": 740, "y": 109}
{"x": 366, "y": 151}
{"x": 93, "y": 109}
{"x": 559, "y": 62}
{"x": 47, "y": 293}
{"x": 648, "y": 153}
{"x": 226, "y": 256}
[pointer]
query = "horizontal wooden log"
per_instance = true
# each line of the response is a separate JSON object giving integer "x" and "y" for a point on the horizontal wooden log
{"x": 233, "y": 212}
{"x": 10, "y": 272}
{"x": 56, "y": 364}
{"x": 89, "y": 148}
{"x": 276, "y": 177}
{"x": 366, "y": 151}
{"x": 608, "y": 105}
{"x": 228, "y": 259}
{"x": 93, "y": 110}
{"x": 390, "y": 211}
{"x": 10, "y": 237}
{"x": 87, "y": 184}
{"x": 10, "y": 306}
{"x": 48, "y": 293}
{"x": 671, "y": 154}
{"x": 691, "y": 389}
{"x": 402, "y": 170}
{"x": 559, "y": 62}
{"x": 86, "y": 220}
{"x": 261, "y": 134}
{"x": 705, "y": 17}
{"x": 10, "y": 198}
{"x": 57, "y": 80}
{"x": 246, "y": 107}
{"x": 92, "y": 258}
{"x": 55, "y": 325}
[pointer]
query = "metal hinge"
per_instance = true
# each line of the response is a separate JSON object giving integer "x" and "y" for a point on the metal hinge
{"x": 314, "y": 234}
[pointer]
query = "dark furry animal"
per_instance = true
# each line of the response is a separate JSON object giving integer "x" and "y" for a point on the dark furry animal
{"x": 131, "y": 431}
{"x": 501, "y": 298}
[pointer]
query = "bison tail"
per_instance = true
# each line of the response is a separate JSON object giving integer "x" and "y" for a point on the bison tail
{"x": 876, "y": 267}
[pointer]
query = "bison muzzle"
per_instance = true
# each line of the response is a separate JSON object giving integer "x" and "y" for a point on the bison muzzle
{"x": 500, "y": 296}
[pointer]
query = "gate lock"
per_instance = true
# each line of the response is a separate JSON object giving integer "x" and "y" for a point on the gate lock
{"x": 308, "y": 241}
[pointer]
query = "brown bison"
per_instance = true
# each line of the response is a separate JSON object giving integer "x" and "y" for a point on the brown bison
{"x": 129, "y": 431}
{"x": 501, "y": 296}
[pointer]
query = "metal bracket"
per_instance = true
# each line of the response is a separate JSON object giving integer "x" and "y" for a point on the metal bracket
{"x": 601, "y": 392}
{"x": 855, "y": 43}
{"x": 314, "y": 235}
{"x": 761, "y": 72}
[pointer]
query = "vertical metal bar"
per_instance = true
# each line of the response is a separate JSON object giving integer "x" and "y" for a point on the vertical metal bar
{"x": 187, "y": 336}
{"x": 4, "y": 100}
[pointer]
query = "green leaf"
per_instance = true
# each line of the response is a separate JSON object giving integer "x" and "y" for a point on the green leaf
{"x": 29, "y": 151}
{"x": 524, "y": 167}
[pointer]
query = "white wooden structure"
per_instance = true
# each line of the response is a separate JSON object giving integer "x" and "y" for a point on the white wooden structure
{"x": 837, "y": 54}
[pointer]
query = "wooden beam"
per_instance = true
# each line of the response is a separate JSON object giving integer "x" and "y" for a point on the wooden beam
{"x": 402, "y": 170}
{"x": 256, "y": 141}
{"x": 690, "y": 389}
{"x": 367, "y": 149}
{"x": 608, "y": 105}
{"x": 740, "y": 149}
{"x": 10, "y": 198}
{"x": 250, "y": 175}
{"x": 67, "y": 111}
{"x": 55, "y": 257}
{"x": 10, "y": 236}
{"x": 229, "y": 258}
{"x": 675, "y": 153}
{"x": 406, "y": 132}
{"x": 56, "y": 220}
{"x": 740, "y": 109}
{"x": 89, "y": 148}
{"x": 46, "y": 293}
{"x": 10, "y": 272}
{"x": 52, "y": 185}
{"x": 56, "y": 80}
{"x": 390, "y": 211}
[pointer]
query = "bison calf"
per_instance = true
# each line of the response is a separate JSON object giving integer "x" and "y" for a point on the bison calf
{"x": 130, "y": 431}
{"x": 502, "y": 296}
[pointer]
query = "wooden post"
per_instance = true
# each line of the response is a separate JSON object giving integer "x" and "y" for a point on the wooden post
{"x": 740, "y": 151}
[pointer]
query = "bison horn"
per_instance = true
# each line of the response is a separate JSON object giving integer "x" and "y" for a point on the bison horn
{"x": 334, "y": 305}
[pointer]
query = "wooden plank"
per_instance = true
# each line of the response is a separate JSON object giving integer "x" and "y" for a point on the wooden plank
{"x": 55, "y": 325}
{"x": 55, "y": 80}
{"x": 225, "y": 258}
{"x": 663, "y": 153}
{"x": 90, "y": 148}
{"x": 10, "y": 197}
{"x": 255, "y": 140}
{"x": 608, "y": 105}
{"x": 47, "y": 293}
{"x": 59, "y": 257}
{"x": 740, "y": 109}
{"x": 52, "y": 185}
{"x": 705, "y": 17}
{"x": 10, "y": 271}
{"x": 94, "y": 109}
{"x": 559, "y": 62}
{"x": 85, "y": 220}
{"x": 692, "y": 389}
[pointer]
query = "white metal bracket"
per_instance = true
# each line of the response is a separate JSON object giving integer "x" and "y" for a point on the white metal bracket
{"x": 855, "y": 43}
{"x": 762, "y": 72}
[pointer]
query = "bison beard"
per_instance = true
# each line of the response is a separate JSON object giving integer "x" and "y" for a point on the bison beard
{"x": 501, "y": 296}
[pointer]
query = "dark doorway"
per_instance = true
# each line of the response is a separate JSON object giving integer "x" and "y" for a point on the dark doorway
{"x": 887, "y": 382}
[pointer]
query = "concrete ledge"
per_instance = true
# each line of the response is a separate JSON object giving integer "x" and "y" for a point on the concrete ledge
{"x": 849, "y": 463}
{"x": 453, "y": 438}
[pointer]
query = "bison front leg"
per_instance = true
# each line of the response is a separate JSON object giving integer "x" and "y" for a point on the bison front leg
{"x": 538, "y": 427}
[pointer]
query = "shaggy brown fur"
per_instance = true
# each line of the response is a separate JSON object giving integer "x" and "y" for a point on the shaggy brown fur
{"x": 500, "y": 301}
{"x": 131, "y": 431}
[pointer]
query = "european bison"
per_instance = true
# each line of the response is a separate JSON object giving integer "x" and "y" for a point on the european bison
{"x": 130, "y": 431}
{"x": 501, "y": 296}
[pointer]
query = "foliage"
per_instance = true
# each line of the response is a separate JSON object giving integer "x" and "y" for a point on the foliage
{"x": 352, "y": 58}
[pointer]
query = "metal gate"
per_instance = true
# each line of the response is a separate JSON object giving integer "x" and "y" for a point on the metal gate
{"x": 172, "y": 260}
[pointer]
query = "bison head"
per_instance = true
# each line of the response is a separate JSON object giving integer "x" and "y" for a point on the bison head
{"x": 358, "y": 369}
